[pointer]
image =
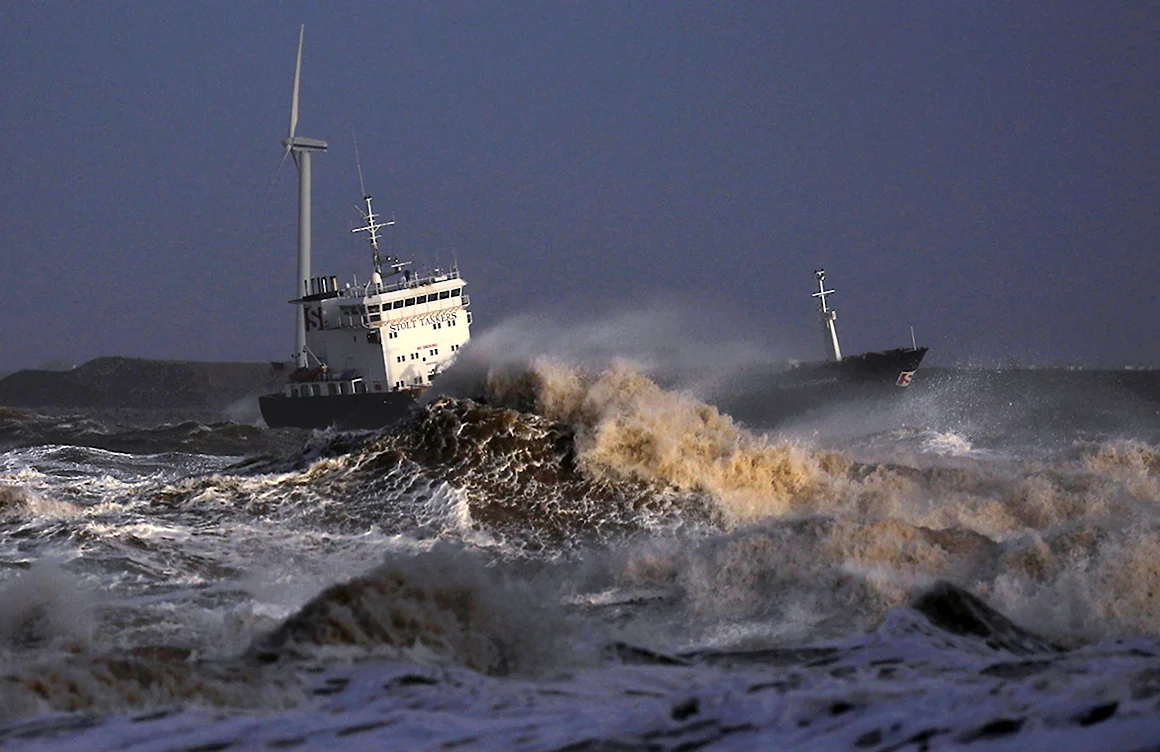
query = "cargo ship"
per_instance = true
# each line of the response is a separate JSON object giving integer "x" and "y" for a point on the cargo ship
{"x": 788, "y": 390}
{"x": 363, "y": 350}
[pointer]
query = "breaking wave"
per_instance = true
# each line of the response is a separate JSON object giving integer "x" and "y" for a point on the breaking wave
{"x": 497, "y": 534}
{"x": 444, "y": 606}
{"x": 628, "y": 427}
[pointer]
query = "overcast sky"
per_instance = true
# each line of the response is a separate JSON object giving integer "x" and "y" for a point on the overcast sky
{"x": 986, "y": 172}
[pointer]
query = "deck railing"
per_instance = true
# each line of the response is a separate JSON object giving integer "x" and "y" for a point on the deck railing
{"x": 381, "y": 288}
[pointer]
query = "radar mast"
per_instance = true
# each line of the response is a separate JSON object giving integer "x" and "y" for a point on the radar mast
{"x": 828, "y": 316}
{"x": 372, "y": 228}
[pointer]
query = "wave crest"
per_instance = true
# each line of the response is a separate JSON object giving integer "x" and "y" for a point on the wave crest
{"x": 441, "y": 607}
{"x": 628, "y": 427}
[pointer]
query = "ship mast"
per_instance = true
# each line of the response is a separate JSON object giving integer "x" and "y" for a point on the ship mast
{"x": 372, "y": 228}
{"x": 828, "y": 316}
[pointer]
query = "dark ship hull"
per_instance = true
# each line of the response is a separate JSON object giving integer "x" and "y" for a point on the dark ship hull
{"x": 344, "y": 411}
{"x": 765, "y": 395}
{"x": 869, "y": 370}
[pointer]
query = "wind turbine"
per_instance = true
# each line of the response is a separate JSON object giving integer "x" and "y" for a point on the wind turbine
{"x": 301, "y": 148}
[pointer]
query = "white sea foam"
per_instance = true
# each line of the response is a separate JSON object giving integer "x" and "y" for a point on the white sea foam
{"x": 807, "y": 561}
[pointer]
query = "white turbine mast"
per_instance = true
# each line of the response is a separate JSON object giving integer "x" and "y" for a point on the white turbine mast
{"x": 301, "y": 148}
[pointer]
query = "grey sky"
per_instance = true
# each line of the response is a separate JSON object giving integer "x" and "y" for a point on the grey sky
{"x": 985, "y": 171}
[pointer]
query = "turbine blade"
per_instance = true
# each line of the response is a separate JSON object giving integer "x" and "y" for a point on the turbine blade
{"x": 297, "y": 79}
{"x": 276, "y": 171}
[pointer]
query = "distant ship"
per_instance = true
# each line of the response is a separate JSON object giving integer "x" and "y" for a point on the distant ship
{"x": 363, "y": 351}
{"x": 895, "y": 367}
{"x": 789, "y": 390}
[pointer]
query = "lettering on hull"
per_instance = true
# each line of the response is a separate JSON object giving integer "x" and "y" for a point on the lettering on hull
{"x": 904, "y": 379}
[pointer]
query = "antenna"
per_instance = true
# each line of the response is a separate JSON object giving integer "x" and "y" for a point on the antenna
{"x": 913, "y": 342}
{"x": 358, "y": 163}
{"x": 372, "y": 227}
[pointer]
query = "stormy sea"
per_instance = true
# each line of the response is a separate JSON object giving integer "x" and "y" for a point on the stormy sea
{"x": 586, "y": 559}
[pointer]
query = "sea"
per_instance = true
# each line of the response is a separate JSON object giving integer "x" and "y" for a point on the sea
{"x": 591, "y": 558}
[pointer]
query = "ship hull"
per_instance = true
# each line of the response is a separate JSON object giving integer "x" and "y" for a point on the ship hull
{"x": 344, "y": 411}
{"x": 766, "y": 396}
{"x": 889, "y": 368}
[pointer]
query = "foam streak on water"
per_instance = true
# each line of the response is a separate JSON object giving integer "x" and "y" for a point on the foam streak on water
{"x": 586, "y": 558}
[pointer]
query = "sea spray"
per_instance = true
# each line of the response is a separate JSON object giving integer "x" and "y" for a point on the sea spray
{"x": 444, "y": 606}
{"x": 722, "y": 626}
{"x": 627, "y": 426}
{"x": 58, "y": 656}
{"x": 44, "y": 606}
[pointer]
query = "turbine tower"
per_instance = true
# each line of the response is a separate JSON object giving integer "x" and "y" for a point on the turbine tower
{"x": 301, "y": 148}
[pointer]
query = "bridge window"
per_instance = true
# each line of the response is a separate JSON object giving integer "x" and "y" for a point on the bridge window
{"x": 397, "y": 304}
{"x": 410, "y": 302}
{"x": 421, "y": 299}
{"x": 455, "y": 292}
{"x": 372, "y": 309}
{"x": 445, "y": 295}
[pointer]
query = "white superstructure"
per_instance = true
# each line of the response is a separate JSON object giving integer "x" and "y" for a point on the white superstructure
{"x": 381, "y": 337}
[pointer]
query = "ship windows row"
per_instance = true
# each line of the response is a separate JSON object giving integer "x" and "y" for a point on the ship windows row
{"x": 358, "y": 310}
{"x": 415, "y": 355}
{"x": 330, "y": 388}
{"x": 414, "y": 381}
{"x": 418, "y": 300}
